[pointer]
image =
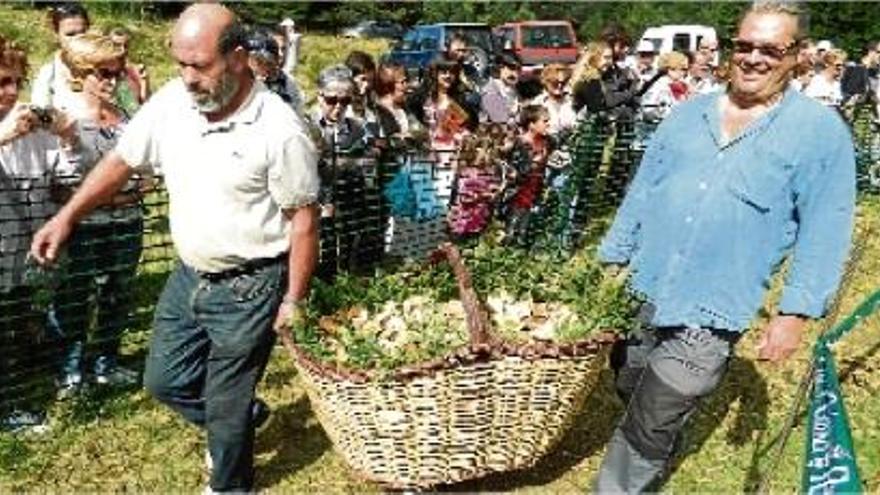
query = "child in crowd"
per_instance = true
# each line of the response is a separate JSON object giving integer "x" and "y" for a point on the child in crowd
{"x": 477, "y": 181}
{"x": 529, "y": 159}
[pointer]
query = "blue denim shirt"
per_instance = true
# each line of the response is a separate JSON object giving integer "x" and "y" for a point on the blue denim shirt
{"x": 705, "y": 224}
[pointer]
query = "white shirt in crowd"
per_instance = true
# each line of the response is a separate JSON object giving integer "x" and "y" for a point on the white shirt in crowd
{"x": 658, "y": 101}
{"x": 291, "y": 53}
{"x": 562, "y": 114}
{"x": 227, "y": 181}
{"x": 27, "y": 167}
{"x": 826, "y": 92}
{"x": 703, "y": 85}
{"x": 51, "y": 88}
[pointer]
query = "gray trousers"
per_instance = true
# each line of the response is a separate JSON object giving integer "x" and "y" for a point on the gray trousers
{"x": 663, "y": 374}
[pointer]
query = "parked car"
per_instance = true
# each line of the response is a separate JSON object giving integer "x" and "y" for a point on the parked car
{"x": 680, "y": 38}
{"x": 423, "y": 43}
{"x": 538, "y": 43}
{"x": 374, "y": 29}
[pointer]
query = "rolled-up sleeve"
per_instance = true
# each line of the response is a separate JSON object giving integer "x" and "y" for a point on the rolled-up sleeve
{"x": 138, "y": 145}
{"x": 293, "y": 173}
{"x": 825, "y": 208}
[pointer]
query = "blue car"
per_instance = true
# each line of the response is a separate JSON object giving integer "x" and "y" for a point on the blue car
{"x": 423, "y": 43}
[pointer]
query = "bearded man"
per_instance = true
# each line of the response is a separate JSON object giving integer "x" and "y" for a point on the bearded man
{"x": 242, "y": 179}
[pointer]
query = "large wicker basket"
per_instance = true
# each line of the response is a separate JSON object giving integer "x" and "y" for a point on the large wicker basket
{"x": 489, "y": 407}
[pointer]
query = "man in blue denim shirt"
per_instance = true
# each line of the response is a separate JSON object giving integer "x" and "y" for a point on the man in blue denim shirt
{"x": 731, "y": 184}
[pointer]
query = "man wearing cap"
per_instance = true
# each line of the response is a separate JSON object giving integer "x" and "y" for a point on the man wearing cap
{"x": 242, "y": 181}
{"x": 645, "y": 63}
{"x": 289, "y": 42}
{"x": 499, "y": 99}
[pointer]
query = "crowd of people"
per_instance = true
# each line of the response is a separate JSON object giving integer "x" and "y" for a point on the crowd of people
{"x": 80, "y": 103}
{"x": 234, "y": 136}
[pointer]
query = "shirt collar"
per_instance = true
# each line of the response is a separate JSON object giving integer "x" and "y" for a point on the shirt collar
{"x": 712, "y": 117}
{"x": 246, "y": 113}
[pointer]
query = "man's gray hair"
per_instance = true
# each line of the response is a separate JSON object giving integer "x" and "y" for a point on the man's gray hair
{"x": 335, "y": 75}
{"x": 791, "y": 8}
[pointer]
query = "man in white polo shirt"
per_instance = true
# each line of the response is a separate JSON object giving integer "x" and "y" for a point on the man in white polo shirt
{"x": 242, "y": 180}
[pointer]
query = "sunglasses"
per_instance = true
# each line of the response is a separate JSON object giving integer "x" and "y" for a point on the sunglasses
{"x": 744, "y": 47}
{"x": 559, "y": 83}
{"x": 107, "y": 74}
{"x": 336, "y": 100}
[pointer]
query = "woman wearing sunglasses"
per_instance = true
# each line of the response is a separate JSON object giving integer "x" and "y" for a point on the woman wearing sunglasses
{"x": 343, "y": 141}
{"x": 106, "y": 246}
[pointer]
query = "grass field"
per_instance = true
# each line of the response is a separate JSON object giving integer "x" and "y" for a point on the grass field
{"x": 125, "y": 441}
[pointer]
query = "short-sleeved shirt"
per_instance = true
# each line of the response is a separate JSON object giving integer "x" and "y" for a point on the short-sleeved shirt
{"x": 27, "y": 166}
{"x": 228, "y": 181}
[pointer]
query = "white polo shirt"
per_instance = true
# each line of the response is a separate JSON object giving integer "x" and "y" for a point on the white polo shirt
{"x": 227, "y": 181}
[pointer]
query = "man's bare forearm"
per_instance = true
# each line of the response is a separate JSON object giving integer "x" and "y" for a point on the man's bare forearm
{"x": 303, "y": 251}
{"x": 99, "y": 187}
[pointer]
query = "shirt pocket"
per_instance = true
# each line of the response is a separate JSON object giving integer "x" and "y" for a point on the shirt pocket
{"x": 246, "y": 170}
{"x": 762, "y": 181}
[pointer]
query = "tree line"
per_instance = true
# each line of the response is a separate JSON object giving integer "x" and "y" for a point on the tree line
{"x": 848, "y": 24}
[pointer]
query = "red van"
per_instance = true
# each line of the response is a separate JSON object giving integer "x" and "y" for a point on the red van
{"x": 538, "y": 43}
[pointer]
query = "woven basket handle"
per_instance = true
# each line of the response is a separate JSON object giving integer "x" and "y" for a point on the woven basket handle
{"x": 477, "y": 322}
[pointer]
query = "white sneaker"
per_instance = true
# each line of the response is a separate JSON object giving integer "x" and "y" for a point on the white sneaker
{"x": 118, "y": 377}
{"x": 69, "y": 386}
{"x": 19, "y": 421}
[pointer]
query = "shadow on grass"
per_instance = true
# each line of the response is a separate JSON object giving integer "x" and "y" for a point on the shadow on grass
{"x": 295, "y": 441}
{"x": 865, "y": 361}
{"x": 593, "y": 427}
{"x": 744, "y": 384}
{"x": 588, "y": 435}
{"x": 96, "y": 403}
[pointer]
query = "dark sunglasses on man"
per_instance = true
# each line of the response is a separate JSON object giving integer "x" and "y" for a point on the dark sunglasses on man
{"x": 334, "y": 100}
{"x": 777, "y": 53}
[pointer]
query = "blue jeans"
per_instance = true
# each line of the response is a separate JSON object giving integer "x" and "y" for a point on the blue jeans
{"x": 27, "y": 356}
{"x": 103, "y": 262}
{"x": 210, "y": 345}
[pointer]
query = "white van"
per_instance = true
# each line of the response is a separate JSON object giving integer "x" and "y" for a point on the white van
{"x": 680, "y": 38}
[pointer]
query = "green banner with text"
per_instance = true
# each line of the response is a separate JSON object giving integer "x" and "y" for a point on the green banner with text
{"x": 830, "y": 463}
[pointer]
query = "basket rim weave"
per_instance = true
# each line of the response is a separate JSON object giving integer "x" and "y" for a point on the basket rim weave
{"x": 483, "y": 346}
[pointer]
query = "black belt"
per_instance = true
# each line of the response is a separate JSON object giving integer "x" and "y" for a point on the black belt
{"x": 246, "y": 268}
